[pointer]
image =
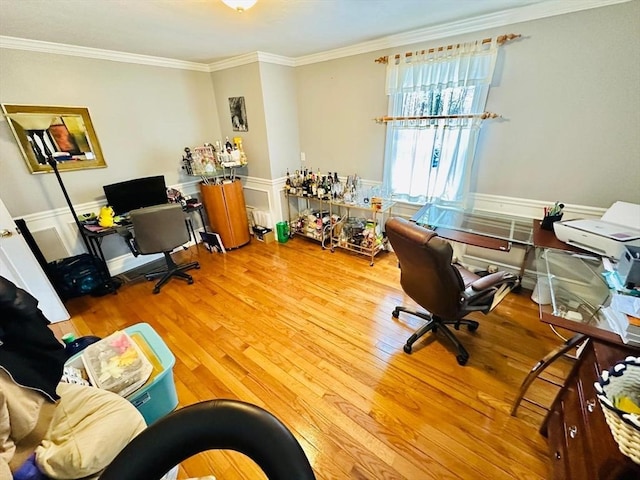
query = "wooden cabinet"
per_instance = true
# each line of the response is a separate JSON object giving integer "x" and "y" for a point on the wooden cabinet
{"x": 227, "y": 212}
{"x": 581, "y": 445}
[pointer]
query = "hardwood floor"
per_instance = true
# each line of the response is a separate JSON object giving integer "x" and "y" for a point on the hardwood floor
{"x": 308, "y": 335}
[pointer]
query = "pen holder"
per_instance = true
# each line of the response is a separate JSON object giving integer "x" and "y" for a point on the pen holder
{"x": 549, "y": 220}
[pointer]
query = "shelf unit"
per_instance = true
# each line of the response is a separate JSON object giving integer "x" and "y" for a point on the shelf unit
{"x": 371, "y": 247}
{"x": 300, "y": 226}
{"x": 338, "y": 214}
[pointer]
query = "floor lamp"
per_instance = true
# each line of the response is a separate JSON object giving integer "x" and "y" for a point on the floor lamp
{"x": 35, "y": 125}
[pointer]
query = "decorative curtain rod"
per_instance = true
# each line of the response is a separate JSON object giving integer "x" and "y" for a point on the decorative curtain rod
{"x": 482, "y": 116}
{"x": 500, "y": 39}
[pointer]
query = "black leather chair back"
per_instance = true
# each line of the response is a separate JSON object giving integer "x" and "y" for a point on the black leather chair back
{"x": 214, "y": 424}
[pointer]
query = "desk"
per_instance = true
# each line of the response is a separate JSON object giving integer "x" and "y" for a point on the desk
{"x": 496, "y": 231}
{"x": 580, "y": 442}
{"x": 95, "y": 234}
{"x": 576, "y": 285}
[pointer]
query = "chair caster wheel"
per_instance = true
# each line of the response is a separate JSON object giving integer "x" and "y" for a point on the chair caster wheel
{"x": 197, "y": 267}
{"x": 156, "y": 291}
{"x": 395, "y": 313}
{"x": 473, "y": 327}
{"x": 462, "y": 359}
{"x": 457, "y": 326}
{"x": 190, "y": 281}
{"x": 407, "y": 349}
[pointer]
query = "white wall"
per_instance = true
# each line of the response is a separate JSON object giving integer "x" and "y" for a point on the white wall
{"x": 143, "y": 116}
{"x": 281, "y": 116}
{"x": 244, "y": 81}
{"x": 567, "y": 91}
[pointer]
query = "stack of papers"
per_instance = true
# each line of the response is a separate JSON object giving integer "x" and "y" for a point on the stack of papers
{"x": 623, "y": 316}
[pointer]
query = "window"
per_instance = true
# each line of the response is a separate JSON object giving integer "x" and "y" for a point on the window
{"x": 436, "y": 99}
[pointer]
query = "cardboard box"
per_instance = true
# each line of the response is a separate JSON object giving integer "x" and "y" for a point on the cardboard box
{"x": 269, "y": 237}
{"x": 263, "y": 234}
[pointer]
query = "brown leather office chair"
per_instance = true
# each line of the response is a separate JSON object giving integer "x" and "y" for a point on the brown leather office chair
{"x": 447, "y": 291}
{"x": 160, "y": 229}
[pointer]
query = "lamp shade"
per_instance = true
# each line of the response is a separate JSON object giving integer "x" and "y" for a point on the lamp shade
{"x": 240, "y": 5}
{"x": 32, "y": 121}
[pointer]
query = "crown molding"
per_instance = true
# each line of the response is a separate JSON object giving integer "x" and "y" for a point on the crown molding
{"x": 251, "y": 58}
{"x": 500, "y": 19}
{"x": 86, "y": 52}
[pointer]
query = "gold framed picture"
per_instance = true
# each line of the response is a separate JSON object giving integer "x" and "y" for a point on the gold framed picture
{"x": 61, "y": 134}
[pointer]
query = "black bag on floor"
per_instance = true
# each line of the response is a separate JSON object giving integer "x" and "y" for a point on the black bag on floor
{"x": 80, "y": 275}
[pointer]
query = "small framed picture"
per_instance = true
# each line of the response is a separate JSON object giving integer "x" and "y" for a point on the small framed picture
{"x": 238, "y": 114}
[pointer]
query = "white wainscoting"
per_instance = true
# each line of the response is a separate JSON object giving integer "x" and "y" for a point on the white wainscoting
{"x": 55, "y": 230}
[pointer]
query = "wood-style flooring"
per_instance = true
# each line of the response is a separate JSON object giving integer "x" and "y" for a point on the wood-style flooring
{"x": 308, "y": 335}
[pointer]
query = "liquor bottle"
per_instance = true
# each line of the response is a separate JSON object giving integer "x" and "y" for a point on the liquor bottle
{"x": 322, "y": 188}
{"x": 287, "y": 184}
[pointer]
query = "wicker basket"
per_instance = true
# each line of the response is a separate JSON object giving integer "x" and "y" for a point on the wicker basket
{"x": 623, "y": 379}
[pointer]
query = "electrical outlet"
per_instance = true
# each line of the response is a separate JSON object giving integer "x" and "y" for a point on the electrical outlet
{"x": 303, "y": 157}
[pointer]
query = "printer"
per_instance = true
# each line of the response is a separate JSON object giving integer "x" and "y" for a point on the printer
{"x": 608, "y": 236}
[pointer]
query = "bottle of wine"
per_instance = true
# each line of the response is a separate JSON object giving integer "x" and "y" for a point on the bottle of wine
{"x": 287, "y": 184}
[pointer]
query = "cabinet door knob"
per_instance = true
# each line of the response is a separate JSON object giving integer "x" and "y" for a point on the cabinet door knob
{"x": 591, "y": 405}
{"x": 573, "y": 431}
{"x": 558, "y": 456}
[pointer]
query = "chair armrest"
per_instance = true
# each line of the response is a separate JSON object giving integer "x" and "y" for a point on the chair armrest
{"x": 492, "y": 280}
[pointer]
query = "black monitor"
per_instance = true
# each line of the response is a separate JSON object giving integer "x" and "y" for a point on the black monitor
{"x": 137, "y": 193}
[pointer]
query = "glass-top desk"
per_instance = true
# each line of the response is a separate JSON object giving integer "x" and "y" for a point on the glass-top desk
{"x": 576, "y": 291}
{"x": 572, "y": 292}
{"x": 475, "y": 227}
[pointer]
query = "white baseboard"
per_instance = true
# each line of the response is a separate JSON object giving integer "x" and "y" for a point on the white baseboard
{"x": 272, "y": 191}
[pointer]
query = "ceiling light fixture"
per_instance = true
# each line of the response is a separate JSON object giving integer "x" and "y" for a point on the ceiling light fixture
{"x": 240, "y": 5}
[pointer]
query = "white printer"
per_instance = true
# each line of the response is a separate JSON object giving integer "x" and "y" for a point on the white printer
{"x": 608, "y": 236}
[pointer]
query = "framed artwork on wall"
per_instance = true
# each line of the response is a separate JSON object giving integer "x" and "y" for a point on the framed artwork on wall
{"x": 65, "y": 133}
{"x": 238, "y": 114}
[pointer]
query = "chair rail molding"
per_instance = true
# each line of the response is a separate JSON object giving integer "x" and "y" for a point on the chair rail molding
{"x": 272, "y": 190}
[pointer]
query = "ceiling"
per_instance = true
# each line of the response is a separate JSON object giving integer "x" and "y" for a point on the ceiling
{"x": 207, "y": 31}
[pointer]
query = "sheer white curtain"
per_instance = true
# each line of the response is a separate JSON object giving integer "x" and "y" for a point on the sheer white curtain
{"x": 430, "y": 160}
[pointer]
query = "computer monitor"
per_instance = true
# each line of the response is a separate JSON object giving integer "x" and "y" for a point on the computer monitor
{"x": 137, "y": 193}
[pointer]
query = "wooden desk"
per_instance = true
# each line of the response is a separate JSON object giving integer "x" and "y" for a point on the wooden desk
{"x": 547, "y": 239}
{"x": 96, "y": 235}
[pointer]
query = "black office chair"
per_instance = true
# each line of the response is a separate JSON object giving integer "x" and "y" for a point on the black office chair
{"x": 448, "y": 292}
{"x": 160, "y": 229}
{"x": 214, "y": 424}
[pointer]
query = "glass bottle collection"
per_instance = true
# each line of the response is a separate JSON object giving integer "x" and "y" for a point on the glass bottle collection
{"x": 306, "y": 183}
{"x": 323, "y": 225}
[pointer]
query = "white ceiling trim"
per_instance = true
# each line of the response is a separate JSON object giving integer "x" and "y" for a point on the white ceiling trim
{"x": 251, "y": 58}
{"x": 86, "y": 52}
{"x": 500, "y": 19}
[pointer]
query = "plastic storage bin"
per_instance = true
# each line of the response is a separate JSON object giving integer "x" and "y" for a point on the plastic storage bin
{"x": 158, "y": 396}
{"x": 116, "y": 363}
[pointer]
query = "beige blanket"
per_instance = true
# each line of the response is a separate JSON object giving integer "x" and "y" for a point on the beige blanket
{"x": 75, "y": 438}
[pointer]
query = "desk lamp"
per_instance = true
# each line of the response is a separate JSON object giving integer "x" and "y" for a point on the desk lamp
{"x": 35, "y": 125}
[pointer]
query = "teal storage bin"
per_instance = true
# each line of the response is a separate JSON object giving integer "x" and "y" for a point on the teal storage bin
{"x": 158, "y": 398}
